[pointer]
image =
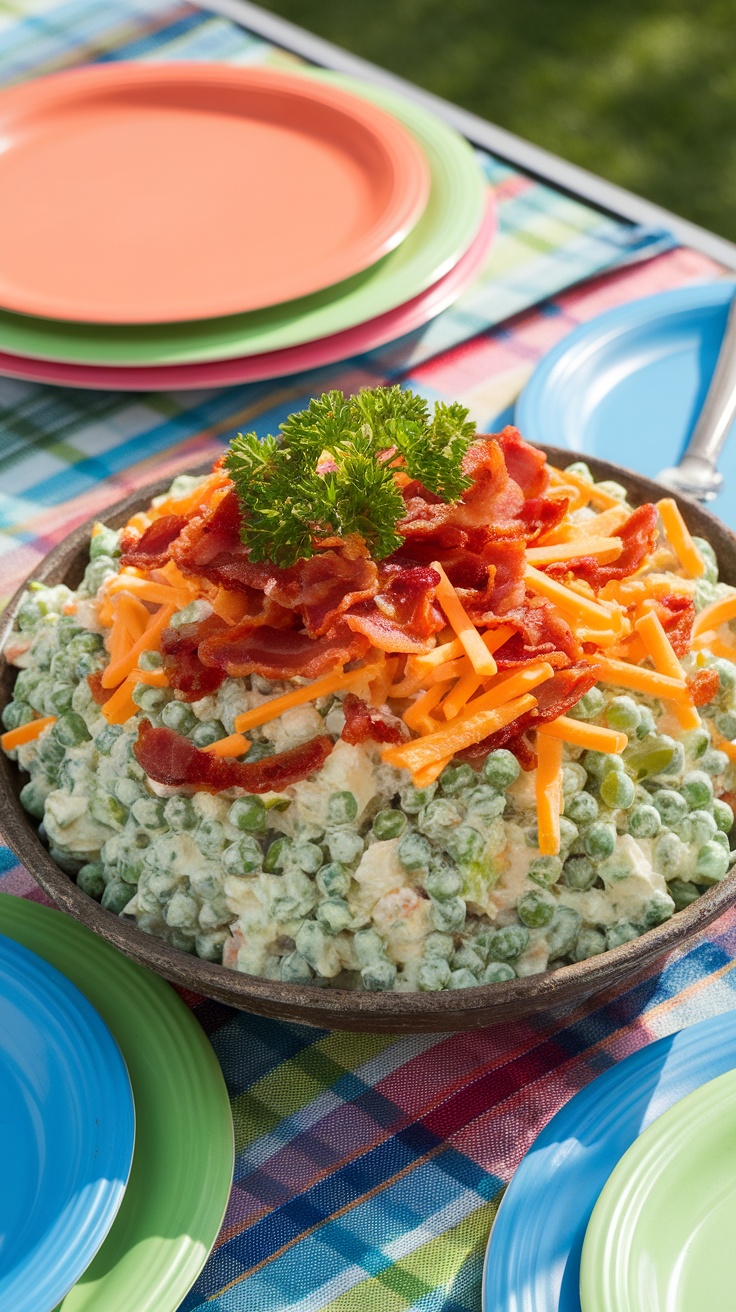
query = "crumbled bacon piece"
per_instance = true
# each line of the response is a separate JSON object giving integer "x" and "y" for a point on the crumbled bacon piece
{"x": 99, "y": 693}
{"x": 280, "y": 653}
{"x": 554, "y": 698}
{"x": 170, "y": 759}
{"x": 703, "y": 686}
{"x": 541, "y": 634}
{"x": 638, "y": 534}
{"x": 362, "y": 722}
{"x": 404, "y": 614}
{"x": 153, "y": 548}
{"x": 184, "y": 669}
{"x": 676, "y": 613}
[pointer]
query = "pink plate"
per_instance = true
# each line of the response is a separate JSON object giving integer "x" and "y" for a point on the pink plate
{"x": 150, "y": 193}
{"x": 273, "y": 364}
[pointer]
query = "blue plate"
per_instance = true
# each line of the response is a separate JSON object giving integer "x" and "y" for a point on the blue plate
{"x": 66, "y": 1131}
{"x": 533, "y": 1257}
{"x": 628, "y": 386}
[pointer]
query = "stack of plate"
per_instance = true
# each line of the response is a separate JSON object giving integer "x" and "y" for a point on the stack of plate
{"x": 94, "y": 1052}
{"x": 626, "y": 1201}
{"x": 194, "y": 225}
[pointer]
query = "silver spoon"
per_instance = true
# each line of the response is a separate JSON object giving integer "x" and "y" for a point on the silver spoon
{"x": 696, "y": 474}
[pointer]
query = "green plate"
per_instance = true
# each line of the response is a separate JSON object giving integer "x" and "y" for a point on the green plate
{"x": 451, "y": 220}
{"x": 183, "y": 1161}
{"x": 660, "y": 1238}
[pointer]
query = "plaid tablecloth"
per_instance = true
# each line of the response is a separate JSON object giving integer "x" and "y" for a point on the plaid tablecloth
{"x": 368, "y": 1169}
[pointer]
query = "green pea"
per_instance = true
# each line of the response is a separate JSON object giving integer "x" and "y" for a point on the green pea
{"x": 179, "y": 717}
{"x": 33, "y": 799}
{"x": 719, "y": 837}
{"x": 613, "y": 488}
{"x": 61, "y": 668}
{"x": 652, "y": 757}
{"x": 696, "y": 742}
{"x": 97, "y": 571}
{"x": 545, "y": 871}
{"x": 535, "y": 909}
{"x": 659, "y": 908}
{"x": 307, "y": 856}
{"x": 334, "y": 915}
{"x": 91, "y": 881}
{"x": 25, "y": 682}
{"x": 438, "y": 818}
{"x": 711, "y": 865}
{"x": 379, "y": 976}
{"x": 127, "y": 791}
{"x": 242, "y": 857}
{"x": 668, "y": 851}
{"x": 433, "y": 975}
{"x": 581, "y": 808}
{"x": 709, "y": 557}
{"x": 562, "y": 932}
{"x": 83, "y": 642}
{"x": 345, "y": 846}
{"x": 414, "y": 852}
{"x": 449, "y": 914}
{"x": 723, "y": 815}
{"x": 697, "y": 789}
{"x": 150, "y": 700}
{"x": 211, "y": 838}
{"x": 15, "y": 714}
{"x": 644, "y": 822}
{"x": 258, "y": 751}
{"x": 71, "y": 730}
{"x": 714, "y": 762}
{"x": 462, "y": 979}
{"x": 107, "y": 737}
{"x": 443, "y": 880}
{"x": 622, "y": 932}
{"x": 500, "y": 769}
{"x": 208, "y": 732}
{"x": 389, "y": 824}
{"x": 457, "y": 779}
{"x": 617, "y": 790}
{"x": 342, "y": 808}
{"x": 295, "y": 969}
{"x": 105, "y": 542}
{"x": 624, "y": 714}
{"x": 579, "y": 873}
{"x": 465, "y": 844}
{"x": 697, "y": 827}
{"x": 574, "y": 778}
{"x": 333, "y": 880}
{"x": 107, "y": 810}
{"x": 116, "y": 896}
{"x": 580, "y": 468}
{"x": 485, "y": 803}
{"x": 466, "y": 958}
{"x": 413, "y": 799}
{"x": 726, "y": 724}
{"x": 589, "y": 705}
{"x": 440, "y": 945}
{"x": 647, "y": 723}
{"x": 277, "y": 855}
{"x": 61, "y": 699}
{"x": 151, "y": 660}
{"x": 149, "y": 812}
{"x": 496, "y": 972}
{"x": 590, "y": 943}
{"x": 683, "y": 893}
{"x": 248, "y": 813}
{"x": 599, "y": 840}
{"x": 179, "y": 813}
{"x": 509, "y": 942}
{"x": 569, "y": 832}
{"x": 599, "y": 764}
{"x": 671, "y": 806}
{"x": 726, "y": 672}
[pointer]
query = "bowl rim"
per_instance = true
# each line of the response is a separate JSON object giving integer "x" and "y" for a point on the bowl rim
{"x": 445, "y": 1009}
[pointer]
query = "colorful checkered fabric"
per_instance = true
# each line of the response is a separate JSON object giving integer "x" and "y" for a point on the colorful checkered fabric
{"x": 368, "y": 1169}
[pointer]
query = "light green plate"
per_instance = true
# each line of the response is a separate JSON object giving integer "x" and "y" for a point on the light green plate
{"x": 451, "y": 220}
{"x": 183, "y": 1161}
{"x": 661, "y": 1236}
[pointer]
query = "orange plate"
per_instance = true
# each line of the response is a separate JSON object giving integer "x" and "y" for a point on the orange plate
{"x": 147, "y": 193}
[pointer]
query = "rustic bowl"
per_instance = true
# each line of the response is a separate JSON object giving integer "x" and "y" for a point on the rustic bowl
{"x": 461, "y": 1009}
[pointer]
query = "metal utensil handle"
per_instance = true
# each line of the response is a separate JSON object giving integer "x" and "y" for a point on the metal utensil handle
{"x": 718, "y": 411}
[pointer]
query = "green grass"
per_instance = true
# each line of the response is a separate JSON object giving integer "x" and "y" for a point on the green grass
{"x": 640, "y": 91}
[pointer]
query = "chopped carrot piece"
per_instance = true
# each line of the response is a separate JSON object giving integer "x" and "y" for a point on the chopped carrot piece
{"x": 580, "y": 734}
{"x": 606, "y": 549}
{"x": 549, "y": 792}
{"x": 679, "y": 538}
{"x": 120, "y": 668}
{"x": 300, "y": 696}
{"x": 472, "y": 643}
{"x": 25, "y": 733}
{"x": 463, "y": 732}
{"x": 660, "y": 652}
{"x": 234, "y": 745}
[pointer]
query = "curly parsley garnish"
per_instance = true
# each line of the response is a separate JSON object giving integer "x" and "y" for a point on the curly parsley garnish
{"x": 290, "y": 504}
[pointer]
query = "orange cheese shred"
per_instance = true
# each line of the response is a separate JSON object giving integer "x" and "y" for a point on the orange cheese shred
{"x": 650, "y": 682}
{"x": 276, "y": 706}
{"x": 475, "y": 649}
{"x": 423, "y": 778}
{"x": 593, "y": 736}
{"x": 574, "y": 606}
{"x": 717, "y": 613}
{"x": 120, "y": 667}
{"x": 606, "y": 549}
{"x": 549, "y": 792}
{"x": 119, "y": 708}
{"x": 25, "y": 733}
{"x": 463, "y": 732}
{"x": 234, "y": 745}
{"x": 417, "y": 716}
{"x": 660, "y": 652}
{"x": 152, "y": 678}
{"x": 679, "y": 538}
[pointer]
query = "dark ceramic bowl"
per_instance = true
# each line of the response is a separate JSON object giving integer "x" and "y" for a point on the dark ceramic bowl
{"x": 460, "y": 1009}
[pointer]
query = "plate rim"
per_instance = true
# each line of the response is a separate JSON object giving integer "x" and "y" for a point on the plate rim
{"x": 202, "y": 1077}
{"x": 404, "y": 166}
{"x": 459, "y": 179}
{"x": 73, "y": 1238}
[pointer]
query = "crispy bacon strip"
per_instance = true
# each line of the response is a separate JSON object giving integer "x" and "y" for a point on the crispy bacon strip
{"x": 703, "y": 686}
{"x": 638, "y": 534}
{"x": 526, "y": 464}
{"x": 542, "y": 635}
{"x": 152, "y": 549}
{"x": 676, "y": 614}
{"x": 362, "y": 722}
{"x": 170, "y": 759}
{"x": 184, "y": 669}
{"x": 280, "y": 653}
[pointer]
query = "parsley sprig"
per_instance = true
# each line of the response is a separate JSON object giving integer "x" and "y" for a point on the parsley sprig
{"x": 289, "y": 505}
